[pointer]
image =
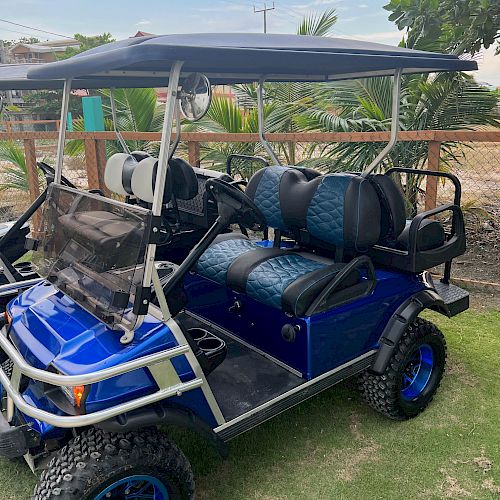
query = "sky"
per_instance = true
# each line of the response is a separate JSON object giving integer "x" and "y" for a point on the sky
{"x": 361, "y": 19}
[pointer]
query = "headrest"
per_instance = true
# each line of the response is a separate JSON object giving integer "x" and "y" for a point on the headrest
{"x": 118, "y": 173}
{"x": 184, "y": 181}
{"x": 181, "y": 180}
{"x": 340, "y": 209}
{"x": 143, "y": 179}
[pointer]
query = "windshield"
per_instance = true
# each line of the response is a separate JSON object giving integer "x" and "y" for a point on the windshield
{"x": 92, "y": 248}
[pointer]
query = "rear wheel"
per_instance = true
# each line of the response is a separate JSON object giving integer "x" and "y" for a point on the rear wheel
{"x": 412, "y": 376}
{"x": 133, "y": 465}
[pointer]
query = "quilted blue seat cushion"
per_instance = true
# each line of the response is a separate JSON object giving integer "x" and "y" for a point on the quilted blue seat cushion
{"x": 215, "y": 261}
{"x": 268, "y": 281}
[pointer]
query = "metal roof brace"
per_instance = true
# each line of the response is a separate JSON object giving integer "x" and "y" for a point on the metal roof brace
{"x": 260, "y": 115}
{"x": 62, "y": 131}
{"x": 114, "y": 118}
{"x": 396, "y": 100}
{"x": 161, "y": 176}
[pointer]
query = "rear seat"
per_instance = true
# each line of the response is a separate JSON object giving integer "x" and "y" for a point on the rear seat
{"x": 340, "y": 210}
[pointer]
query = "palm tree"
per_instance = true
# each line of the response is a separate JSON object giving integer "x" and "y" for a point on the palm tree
{"x": 284, "y": 102}
{"x": 137, "y": 110}
{"x": 15, "y": 176}
{"x": 225, "y": 115}
{"x": 446, "y": 102}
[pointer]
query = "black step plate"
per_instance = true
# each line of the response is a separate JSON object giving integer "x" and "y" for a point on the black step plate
{"x": 456, "y": 298}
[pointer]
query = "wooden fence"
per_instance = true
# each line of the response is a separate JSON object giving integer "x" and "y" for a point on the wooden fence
{"x": 95, "y": 150}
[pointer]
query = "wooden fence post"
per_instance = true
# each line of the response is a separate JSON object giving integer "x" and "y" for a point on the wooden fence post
{"x": 194, "y": 153}
{"x": 431, "y": 183}
{"x": 32, "y": 175}
{"x": 100, "y": 147}
{"x": 91, "y": 162}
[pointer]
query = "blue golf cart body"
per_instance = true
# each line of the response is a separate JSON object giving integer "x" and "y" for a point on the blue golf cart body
{"x": 159, "y": 310}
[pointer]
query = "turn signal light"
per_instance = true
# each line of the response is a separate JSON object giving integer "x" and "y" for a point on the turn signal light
{"x": 8, "y": 317}
{"x": 78, "y": 392}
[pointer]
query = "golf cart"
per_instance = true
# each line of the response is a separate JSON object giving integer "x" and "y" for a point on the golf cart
{"x": 115, "y": 341}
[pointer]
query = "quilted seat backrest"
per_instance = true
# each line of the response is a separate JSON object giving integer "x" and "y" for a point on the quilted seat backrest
{"x": 264, "y": 189}
{"x": 345, "y": 212}
{"x": 341, "y": 210}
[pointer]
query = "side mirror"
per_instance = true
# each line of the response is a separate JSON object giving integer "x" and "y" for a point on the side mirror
{"x": 196, "y": 96}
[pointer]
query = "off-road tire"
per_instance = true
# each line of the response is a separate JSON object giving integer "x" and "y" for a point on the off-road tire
{"x": 94, "y": 460}
{"x": 7, "y": 367}
{"x": 383, "y": 392}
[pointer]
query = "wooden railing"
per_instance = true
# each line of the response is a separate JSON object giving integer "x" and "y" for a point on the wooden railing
{"x": 95, "y": 150}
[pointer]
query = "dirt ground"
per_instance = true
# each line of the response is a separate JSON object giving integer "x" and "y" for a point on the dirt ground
{"x": 481, "y": 261}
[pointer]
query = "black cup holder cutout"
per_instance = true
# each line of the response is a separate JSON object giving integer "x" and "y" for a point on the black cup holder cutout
{"x": 211, "y": 345}
{"x": 198, "y": 334}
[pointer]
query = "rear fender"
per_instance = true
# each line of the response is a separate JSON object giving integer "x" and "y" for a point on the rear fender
{"x": 399, "y": 322}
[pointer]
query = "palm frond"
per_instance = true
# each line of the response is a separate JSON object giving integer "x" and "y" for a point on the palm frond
{"x": 318, "y": 24}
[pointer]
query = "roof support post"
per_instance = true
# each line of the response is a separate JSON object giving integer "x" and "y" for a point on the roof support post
{"x": 159, "y": 188}
{"x": 396, "y": 100}
{"x": 118, "y": 134}
{"x": 166, "y": 134}
{"x": 62, "y": 130}
{"x": 260, "y": 116}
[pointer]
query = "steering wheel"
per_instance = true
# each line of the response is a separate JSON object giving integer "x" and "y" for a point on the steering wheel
{"x": 50, "y": 173}
{"x": 234, "y": 204}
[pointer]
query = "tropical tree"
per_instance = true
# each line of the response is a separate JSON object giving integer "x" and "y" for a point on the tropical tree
{"x": 15, "y": 175}
{"x": 453, "y": 26}
{"x": 284, "y": 102}
{"x": 137, "y": 110}
{"x": 86, "y": 43}
{"x": 447, "y": 102}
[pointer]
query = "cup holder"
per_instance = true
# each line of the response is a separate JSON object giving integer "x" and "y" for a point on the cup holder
{"x": 213, "y": 348}
{"x": 198, "y": 334}
{"x": 211, "y": 345}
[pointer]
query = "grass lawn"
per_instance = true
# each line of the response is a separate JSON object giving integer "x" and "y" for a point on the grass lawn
{"x": 333, "y": 446}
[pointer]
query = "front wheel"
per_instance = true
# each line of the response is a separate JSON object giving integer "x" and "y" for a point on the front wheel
{"x": 135, "y": 465}
{"x": 412, "y": 376}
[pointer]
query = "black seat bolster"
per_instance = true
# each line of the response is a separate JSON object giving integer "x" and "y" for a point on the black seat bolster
{"x": 392, "y": 204}
{"x": 430, "y": 235}
{"x": 242, "y": 266}
{"x": 299, "y": 295}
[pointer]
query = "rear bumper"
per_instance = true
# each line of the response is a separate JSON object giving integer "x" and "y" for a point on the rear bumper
{"x": 15, "y": 441}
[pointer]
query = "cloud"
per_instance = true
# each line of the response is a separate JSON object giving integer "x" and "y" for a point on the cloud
{"x": 143, "y": 22}
{"x": 363, "y": 6}
{"x": 489, "y": 68}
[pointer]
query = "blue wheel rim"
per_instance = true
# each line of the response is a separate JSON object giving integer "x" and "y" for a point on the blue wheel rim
{"x": 135, "y": 488}
{"x": 417, "y": 372}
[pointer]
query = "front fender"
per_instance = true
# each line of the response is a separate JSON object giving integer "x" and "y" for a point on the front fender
{"x": 167, "y": 415}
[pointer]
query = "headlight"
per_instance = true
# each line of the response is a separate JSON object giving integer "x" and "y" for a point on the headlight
{"x": 74, "y": 394}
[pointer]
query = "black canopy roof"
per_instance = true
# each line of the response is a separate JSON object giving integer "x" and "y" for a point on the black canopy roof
{"x": 238, "y": 58}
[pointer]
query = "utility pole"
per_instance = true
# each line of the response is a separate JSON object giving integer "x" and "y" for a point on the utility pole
{"x": 264, "y": 11}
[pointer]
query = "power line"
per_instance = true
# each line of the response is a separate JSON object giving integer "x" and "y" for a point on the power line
{"x": 35, "y": 29}
{"x": 16, "y": 31}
